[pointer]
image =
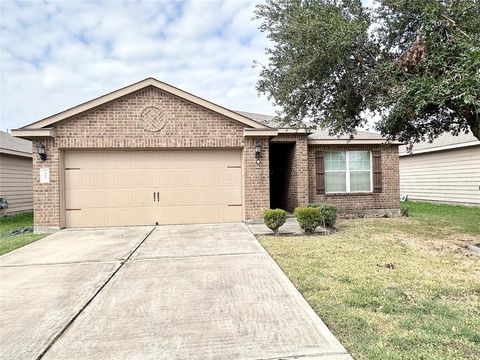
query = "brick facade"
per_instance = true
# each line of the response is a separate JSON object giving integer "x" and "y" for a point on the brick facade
{"x": 116, "y": 125}
{"x": 388, "y": 199}
{"x": 256, "y": 179}
{"x": 46, "y": 197}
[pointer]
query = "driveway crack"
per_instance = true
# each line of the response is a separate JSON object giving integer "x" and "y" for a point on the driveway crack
{"x": 173, "y": 257}
{"x": 99, "y": 290}
{"x": 63, "y": 263}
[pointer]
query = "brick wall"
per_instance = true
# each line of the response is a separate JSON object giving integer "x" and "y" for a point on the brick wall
{"x": 388, "y": 199}
{"x": 116, "y": 125}
{"x": 46, "y": 197}
{"x": 256, "y": 179}
{"x": 290, "y": 181}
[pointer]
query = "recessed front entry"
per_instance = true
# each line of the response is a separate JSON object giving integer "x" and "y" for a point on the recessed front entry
{"x": 283, "y": 190}
{"x": 115, "y": 188}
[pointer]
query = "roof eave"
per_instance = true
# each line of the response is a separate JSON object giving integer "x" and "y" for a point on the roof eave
{"x": 26, "y": 133}
{"x": 15, "y": 153}
{"x": 295, "y": 131}
{"x": 351, "y": 142}
{"x": 260, "y": 132}
{"x": 441, "y": 148}
{"x": 104, "y": 99}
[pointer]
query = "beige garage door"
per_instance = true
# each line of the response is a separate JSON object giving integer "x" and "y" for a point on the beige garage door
{"x": 113, "y": 188}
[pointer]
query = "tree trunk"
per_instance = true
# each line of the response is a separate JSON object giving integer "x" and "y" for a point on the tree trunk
{"x": 474, "y": 124}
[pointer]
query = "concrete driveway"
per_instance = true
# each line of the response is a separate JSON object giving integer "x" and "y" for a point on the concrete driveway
{"x": 170, "y": 292}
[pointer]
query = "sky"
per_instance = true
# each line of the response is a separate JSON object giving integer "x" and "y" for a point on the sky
{"x": 55, "y": 55}
{"x": 58, "y": 54}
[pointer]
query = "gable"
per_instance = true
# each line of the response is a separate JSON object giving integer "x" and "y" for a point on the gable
{"x": 50, "y": 121}
{"x": 149, "y": 114}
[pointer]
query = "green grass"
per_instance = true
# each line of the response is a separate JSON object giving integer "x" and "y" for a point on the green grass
{"x": 427, "y": 307}
{"x": 11, "y": 222}
{"x": 461, "y": 218}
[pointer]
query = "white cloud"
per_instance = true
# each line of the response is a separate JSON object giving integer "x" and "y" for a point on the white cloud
{"x": 55, "y": 55}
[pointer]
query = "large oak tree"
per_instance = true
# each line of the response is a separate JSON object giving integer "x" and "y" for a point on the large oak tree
{"x": 414, "y": 65}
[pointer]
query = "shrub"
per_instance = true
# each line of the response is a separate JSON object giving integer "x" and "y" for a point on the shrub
{"x": 329, "y": 213}
{"x": 309, "y": 218}
{"x": 274, "y": 218}
{"x": 404, "y": 210}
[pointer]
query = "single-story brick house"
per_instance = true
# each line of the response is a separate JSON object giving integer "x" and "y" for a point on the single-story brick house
{"x": 151, "y": 153}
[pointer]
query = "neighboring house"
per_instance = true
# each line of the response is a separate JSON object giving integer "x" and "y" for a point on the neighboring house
{"x": 151, "y": 153}
{"x": 15, "y": 173}
{"x": 446, "y": 170}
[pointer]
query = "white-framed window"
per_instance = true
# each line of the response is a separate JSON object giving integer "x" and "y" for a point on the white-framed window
{"x": 348, "y": 171}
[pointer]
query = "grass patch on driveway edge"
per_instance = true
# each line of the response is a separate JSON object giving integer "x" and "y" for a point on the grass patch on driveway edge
{"x": 11, "y": 222}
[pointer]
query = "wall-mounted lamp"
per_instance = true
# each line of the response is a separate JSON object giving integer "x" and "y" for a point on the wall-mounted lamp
{"x": 41, "y": 152}
{"x": 258, "y": 152}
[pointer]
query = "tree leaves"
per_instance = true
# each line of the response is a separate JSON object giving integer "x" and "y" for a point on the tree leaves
{"x": 414, "y": 63}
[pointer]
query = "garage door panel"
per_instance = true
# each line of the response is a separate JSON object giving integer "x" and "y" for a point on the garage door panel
{"x": 198, "y": 214}
{"x": 198, "y": 196}
{"x": 178, "y": 159}
{"x": 107, "y": 198}
{"x": 149, "y": 178}
{"x": 100, "y": 179}
{"x": 110, "y": 188}
{"x": 96, "y": 217}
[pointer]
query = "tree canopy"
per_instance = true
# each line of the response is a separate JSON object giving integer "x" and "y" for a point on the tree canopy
{"x": 414, "y": 65}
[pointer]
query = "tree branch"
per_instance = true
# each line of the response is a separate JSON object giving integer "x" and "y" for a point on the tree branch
{"x": 455, "y": 26}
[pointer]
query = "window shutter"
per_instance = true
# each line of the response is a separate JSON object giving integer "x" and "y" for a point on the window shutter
{"x": 320, "y": 172}
{"x": 377, "y": 170}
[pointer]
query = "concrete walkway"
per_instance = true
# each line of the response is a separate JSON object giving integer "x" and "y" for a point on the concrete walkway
{"x": 170, "y": 292}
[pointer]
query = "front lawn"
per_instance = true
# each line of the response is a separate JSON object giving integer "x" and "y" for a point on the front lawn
{"x": 11, "y": 222}
{"x": 399, "y": 288}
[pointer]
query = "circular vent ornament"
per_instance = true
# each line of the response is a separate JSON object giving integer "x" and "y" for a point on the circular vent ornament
{"x": 152, "y": 118}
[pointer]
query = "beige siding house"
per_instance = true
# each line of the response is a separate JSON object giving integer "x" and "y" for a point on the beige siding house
{"x": 447, "y": 170}
{"x": 16, "y": 173}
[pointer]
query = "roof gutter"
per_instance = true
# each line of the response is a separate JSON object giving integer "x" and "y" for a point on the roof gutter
{"x": 351, "y": 142}
{"x": 15, "y": 152}
{"x": 441, "y": 148}
{"x": 260, "y": 132}
{"x": 295, "y": 131}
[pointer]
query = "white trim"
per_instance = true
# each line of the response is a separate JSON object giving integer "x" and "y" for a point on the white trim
{"x": 347, "y": 173}
{"x": 260, "y": 132}
{"x": 440, "y": 148}
{"x": 351, "y": 142}
{"x": 15, "y": 152}
{"x": 33, "y": 133}
{"x": 371, "y": 172}
{"x": 294, "y": 131}
{"x": 138, "y": 86}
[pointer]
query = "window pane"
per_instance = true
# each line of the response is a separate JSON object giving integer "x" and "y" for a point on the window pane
{"x": 335, "y": 181}
{"x": 335, "y": 160}
{"x": 360, "y": 181}
{"x": 359, "y": 160}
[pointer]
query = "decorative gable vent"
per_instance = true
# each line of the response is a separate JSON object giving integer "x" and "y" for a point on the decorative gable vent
{"x": 152, "y": 117}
